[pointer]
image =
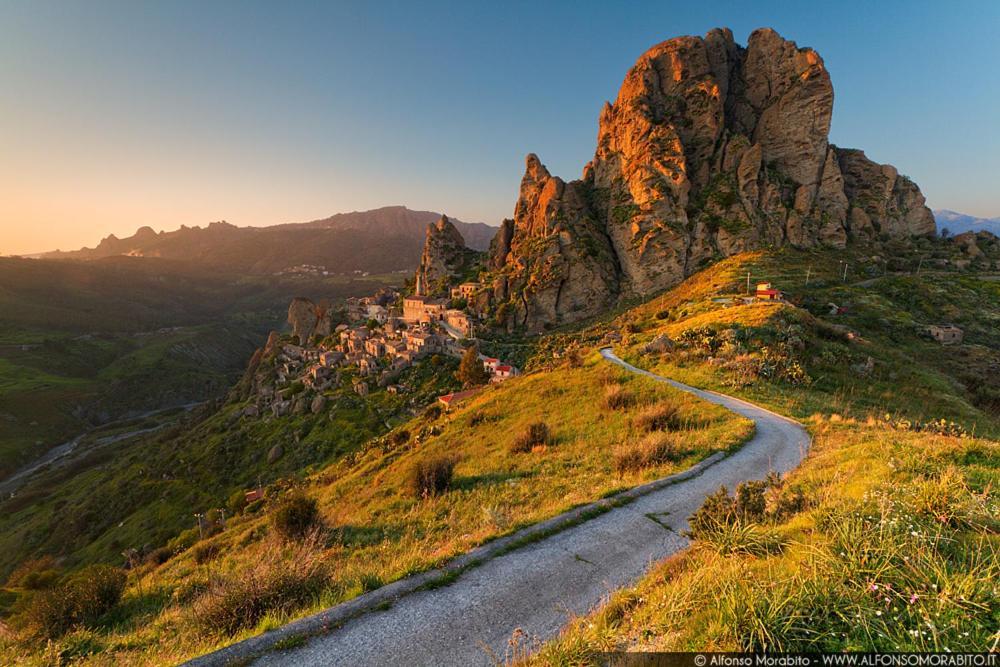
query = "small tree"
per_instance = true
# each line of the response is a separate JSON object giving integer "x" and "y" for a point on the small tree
{"x": 295, "y": 516}
{"x": 470, "y": 370}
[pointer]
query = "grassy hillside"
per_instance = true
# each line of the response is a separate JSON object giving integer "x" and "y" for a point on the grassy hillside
{"x": 85, "y": 343}
{"x": 370, "y": 492}
{"x": 373, "y": 525}
{"x": 886, "y": 538}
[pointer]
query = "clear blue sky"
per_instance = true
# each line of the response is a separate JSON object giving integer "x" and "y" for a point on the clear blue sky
{"x": 118, "y": 114}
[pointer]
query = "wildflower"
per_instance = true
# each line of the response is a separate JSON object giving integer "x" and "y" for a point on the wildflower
{"x": 873, "y": 587}
{"x": 913, "y": 598}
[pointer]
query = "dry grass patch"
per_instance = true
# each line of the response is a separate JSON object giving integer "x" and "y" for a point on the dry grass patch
{"x": 535, "y": 435}
{"x": 664, "y": 416}
{"x": 431, "y": 476}
{"x": 617, "y": 397}
{"x": 652, "y": 449}
{"x": 282, "y": 585}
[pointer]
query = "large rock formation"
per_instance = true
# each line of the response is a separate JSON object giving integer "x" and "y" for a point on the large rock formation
{"x": 309, "y": 319}
{"x": 710, "y": 149}
{"x": 445, "y": 258}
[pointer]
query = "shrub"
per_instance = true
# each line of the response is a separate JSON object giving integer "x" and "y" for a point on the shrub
{"x": 653, "y": 449}
{"x": 661, "y": 417}
{"x": 205, "y": 552}
{"x": 237, "y": 502}
{"x": 26, "y": 575}
{"x": 431, "y": 476}
{"x": 159, "y": 556}
{"x": 617, "y": 397}
{"x": 720, "y": 510}
{"x": 295, "y": 516}
{"x": 80, "y": 600}
{"x": 633, "y": 327}
{"x": 663, "y": 314}
{"x": 536, "y": 435}
{"x": 433, "y": 411}
{"x": 271, "y": 585}
{"x": 400, "y": 437}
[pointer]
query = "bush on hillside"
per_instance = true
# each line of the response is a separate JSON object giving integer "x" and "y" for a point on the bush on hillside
{"x": 80, "y": 600}
{"x": 271, "y": 585}
{"x": 295, "y": 515}
{"x": 535, "y": 435}
{"x": 430, "y": 476}
{"x": 653, "y": 449}
{"x": 663, "y": 416}
{"x": 616, "y": 397}
{"x": 237, "y": 502}
{"x": 34, "y": 574}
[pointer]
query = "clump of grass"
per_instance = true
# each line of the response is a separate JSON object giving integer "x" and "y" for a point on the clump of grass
{"x": 739, "y": 537}
{"x": 80, "y": 600}
{"x": 535, "y": 435}
{"x": 204, "y": 552}
{"x": 269, "y": 586}
{"x": 653, "y": 449}
{"x": 295, "y": 516}
{"x": 431, "y": 476}
{"x": 663, "y": 416}
{"x": 617, "y": 397}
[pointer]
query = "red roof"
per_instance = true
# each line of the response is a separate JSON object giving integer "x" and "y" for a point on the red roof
{"x": 458, "y": 396}
{"x": 490, "y": 360}
{"x": 768, "y": 292}
{"x": 503, "y": 369}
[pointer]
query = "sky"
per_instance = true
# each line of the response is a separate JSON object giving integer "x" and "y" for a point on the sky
{"x": 118, "y": 114}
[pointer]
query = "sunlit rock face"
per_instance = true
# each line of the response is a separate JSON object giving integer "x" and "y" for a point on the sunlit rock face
{"x": 709, "y": 149}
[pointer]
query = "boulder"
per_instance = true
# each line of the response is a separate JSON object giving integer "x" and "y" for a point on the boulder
{"x": 275, "y": 453}
{"x": 659, "y": 345}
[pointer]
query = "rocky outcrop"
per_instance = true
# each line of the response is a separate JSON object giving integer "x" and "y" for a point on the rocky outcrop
{"x": 553, "y": 262}
{"x": 444, "y": 259}
{"x": 709, "y": 149}
{"x": 309, "y": 319}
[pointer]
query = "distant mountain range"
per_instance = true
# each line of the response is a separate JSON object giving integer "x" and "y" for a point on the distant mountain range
{"x": 380, "y": 240}
{"x": 957, "y": 223}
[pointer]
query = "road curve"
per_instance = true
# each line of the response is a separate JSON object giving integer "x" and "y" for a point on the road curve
{"x": 538, "y": 587}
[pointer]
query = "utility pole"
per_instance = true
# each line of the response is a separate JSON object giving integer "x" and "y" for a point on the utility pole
{"x": 201, "y": 531}
{"x": 920, "y": 264}
{"x": 808, "y": 271}
{"x": 748, "y": 282}
{"x": 845, "y": 272}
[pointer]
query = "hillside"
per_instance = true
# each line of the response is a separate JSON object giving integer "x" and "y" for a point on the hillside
{"x": 379, "y": 241}
{"x": 886, "y": 538}
{"x": 886, "y": 377}
{"x": 85, "y": 343}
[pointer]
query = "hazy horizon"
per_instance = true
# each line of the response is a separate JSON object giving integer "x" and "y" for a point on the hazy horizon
{"x": 133, "y": 115}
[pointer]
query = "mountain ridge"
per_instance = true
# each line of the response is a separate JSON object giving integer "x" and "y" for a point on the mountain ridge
{"x": 959, "y": 223}
{"x": 384, "y": 239}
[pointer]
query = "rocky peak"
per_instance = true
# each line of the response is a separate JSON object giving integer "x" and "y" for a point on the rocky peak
{"x": 709, "y": 149}
{"x": 445, "y": 257}
{"x": 308, "y": 318}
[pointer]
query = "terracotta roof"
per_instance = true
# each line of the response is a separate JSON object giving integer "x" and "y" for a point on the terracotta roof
{"x": 458, "y": 396}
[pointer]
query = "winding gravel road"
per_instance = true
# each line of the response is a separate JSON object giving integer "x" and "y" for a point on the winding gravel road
{"x": 538, "y": 587}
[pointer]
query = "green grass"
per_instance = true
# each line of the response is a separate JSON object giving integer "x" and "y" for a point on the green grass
{"x": 377, "y": 531}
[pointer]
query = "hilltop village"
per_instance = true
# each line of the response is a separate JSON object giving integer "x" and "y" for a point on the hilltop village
{"x": 384, "y": 335}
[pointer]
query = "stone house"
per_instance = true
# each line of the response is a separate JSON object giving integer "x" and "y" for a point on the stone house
{"x": 946, "y": 334}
